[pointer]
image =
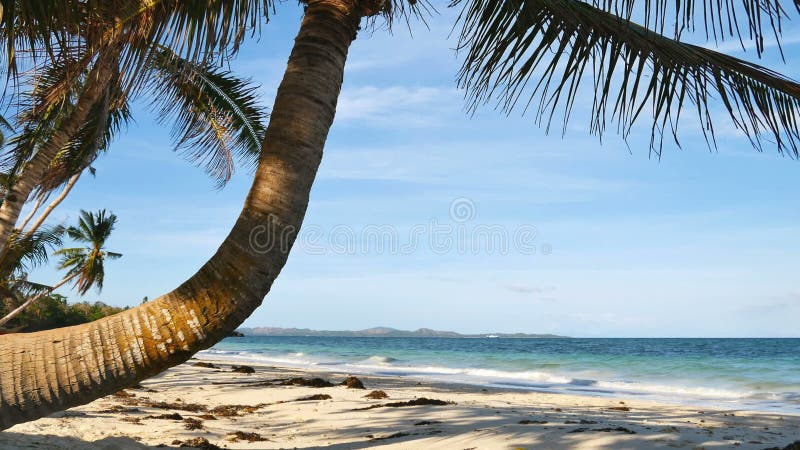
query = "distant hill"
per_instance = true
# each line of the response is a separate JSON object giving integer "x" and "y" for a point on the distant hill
{"x": 384, "y": 332}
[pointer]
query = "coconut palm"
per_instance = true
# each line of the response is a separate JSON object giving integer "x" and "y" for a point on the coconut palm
{"x": 85, "y": 265}
{"x": 23, "y": 254}
{"x": 216, "y": 123}
{"x": 513, "y": 50}
{"x": 95, "y": 60}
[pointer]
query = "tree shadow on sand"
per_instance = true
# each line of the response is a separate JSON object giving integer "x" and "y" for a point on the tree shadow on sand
{"x": 22, "y": 441}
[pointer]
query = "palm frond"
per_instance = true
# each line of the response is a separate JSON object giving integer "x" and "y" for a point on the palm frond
{"x": 50, "y": 100}
{"x": 203, "y": 31}
{"x": 718, "y": 20}
{"x": 393, "y": 11}
{"x": 5, "y": 127}
{"x": 32, "y": 27}
{"x": 216, "y": 116}
{"x": 27, "y": 251}
{"x": 527, "y": 49}
{"x": 198, "y": 30}
{"x": 28, "y": 288}
{"x": 105, "y": 120}
{"x": 197, "y": 27}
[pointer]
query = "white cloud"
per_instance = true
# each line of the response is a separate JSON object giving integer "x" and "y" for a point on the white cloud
{"x": 395, "y": 105}
{"x": 733, "y": 45}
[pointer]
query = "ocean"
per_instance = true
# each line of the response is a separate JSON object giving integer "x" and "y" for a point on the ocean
{"x": 757, "y": 374}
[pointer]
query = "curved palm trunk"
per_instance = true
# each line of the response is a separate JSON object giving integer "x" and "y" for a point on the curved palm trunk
{"x": 53, "y": 205}
{"x": 34, "y": 170}
{"x": 52, "y": 370}
{"x": 33, "y": 212}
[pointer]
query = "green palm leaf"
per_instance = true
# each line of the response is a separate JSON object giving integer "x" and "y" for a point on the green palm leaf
{"x": 27, "y": 251}
{"x": 105, "y": 121}
{"x": 216, "y": 116}
{"x": 717, "y": 20}
{"x": 527, "y": 49}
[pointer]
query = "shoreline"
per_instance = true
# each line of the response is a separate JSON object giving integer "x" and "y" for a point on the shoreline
{"x": 686, "y": 395}
{"x": 189, "y": 403}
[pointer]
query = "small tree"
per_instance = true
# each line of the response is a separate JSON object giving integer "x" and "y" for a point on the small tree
{"x": 85, "y": 265}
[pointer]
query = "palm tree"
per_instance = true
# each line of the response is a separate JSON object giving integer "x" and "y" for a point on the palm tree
{"x": 509, "y": 46}
{"x": 85, "y": 265}
{"x": 23, "y": 254}
{"x": 216, "y": 122}
{"x": 97, "y": 63}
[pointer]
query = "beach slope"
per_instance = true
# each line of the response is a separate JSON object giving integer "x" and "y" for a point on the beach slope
{"x": 212, "y": 407}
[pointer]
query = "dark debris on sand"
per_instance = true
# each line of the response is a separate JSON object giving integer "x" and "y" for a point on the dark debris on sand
{"x": 173, "y": 416}
{"x": 607, "y": 430}
{"x": 306, "y": 382}
{"x": 123, "y": 394}
{"x": 427, "y": 422}
{"x": 377, "y": 395}
{"x": 180, "y": 406}
{"x": 243, "y": 369}
{"x": 114, "y": 410}
{"x": 422, "y": 401}
{"x": 235, "y": 410}
{"x": 244, "y": 436}
{"x": 419, "y": 402}
{"x": 190, "y": 423}
{"x": 207, "y": 365}
{"x": 133, "y": 420}
{"x": 352, "y": 383}
{"x": 199, "y": 442}
{"x": 399, "y": 434}
{"x": 314, "y": 397}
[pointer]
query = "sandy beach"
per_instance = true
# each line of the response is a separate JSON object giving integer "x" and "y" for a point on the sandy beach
{"x": 213, "y": 407}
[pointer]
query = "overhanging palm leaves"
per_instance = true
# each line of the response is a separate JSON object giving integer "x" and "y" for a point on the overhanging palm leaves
{"x": 217, "y": 119}
{"x": 521, "y": 50}
{"x": 24, "y": 253}
{"x": 197, "y": 29}
{"x": 28, "y": 251}
{"x": 85, "y": 265}
{"x": 216, "y": 116}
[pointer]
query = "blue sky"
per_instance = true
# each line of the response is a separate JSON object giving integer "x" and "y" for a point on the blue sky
{"x": 700, "y": 243}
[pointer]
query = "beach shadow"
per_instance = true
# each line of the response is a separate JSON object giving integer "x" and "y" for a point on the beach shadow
{"x": 22, "y": 441}
{"x": 538, "y": 427}
{"x": 488, "y": 421}
{"x": 521, "y": 426}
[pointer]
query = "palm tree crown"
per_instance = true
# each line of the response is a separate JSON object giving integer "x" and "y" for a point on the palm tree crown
{"x": 86, "y": 264}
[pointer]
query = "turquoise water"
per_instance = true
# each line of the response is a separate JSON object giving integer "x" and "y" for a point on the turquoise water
{"x": 761, "y": 374}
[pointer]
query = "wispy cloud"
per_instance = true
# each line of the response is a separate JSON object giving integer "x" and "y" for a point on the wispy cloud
{"x": 394, "y": 106}
{"x": 733, "y": 45}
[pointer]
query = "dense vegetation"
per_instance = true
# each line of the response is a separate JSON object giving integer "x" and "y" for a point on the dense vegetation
{"x": 53, "y": 311}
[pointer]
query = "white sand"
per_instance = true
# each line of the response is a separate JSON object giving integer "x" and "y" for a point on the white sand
{"x": 480, "y": 419}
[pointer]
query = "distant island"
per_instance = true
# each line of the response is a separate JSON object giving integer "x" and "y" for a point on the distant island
{"x": 385, "y": 332}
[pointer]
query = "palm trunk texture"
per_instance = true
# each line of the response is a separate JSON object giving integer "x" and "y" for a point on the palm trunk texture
{"x": 48, "y": 371}
{"x": 36, "y": 168}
